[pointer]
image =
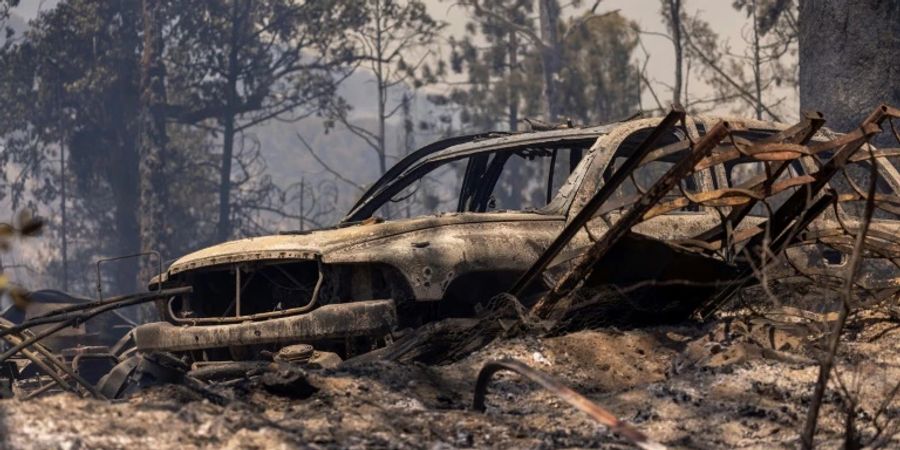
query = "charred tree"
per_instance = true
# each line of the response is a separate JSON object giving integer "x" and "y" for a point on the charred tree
{"x": 551, "y": 53}
{"x": 153, "y": 152}
{"x": 239, "y": 12}
{"x": 673, "y": 15}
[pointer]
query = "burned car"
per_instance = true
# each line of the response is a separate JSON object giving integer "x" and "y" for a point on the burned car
{"x": 348, "y": 288}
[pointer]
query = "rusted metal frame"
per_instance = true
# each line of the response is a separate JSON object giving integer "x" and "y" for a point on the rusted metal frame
{"x": 801, "y": 134}
{"x": 884, "y": 202}
{"x": 849, "y": 231}
{"x": 890, "y": 241}
{"x": 795, "y": 204}
{"x": 69, "y": 371}
{"x": 625, "y": 201}
{"x": 563, "y": 392}
{"x": 41, "y": 390}
{"x": 634, "y": 215}
{"x": 759, "y": 151}
{"x": 808, "y": 126}
{"x": 748, "y": 233}
{"x": 726, "y": 196}
{"x": 764, "y": 150}
{"x": 42, "y": 366}
{"x": 718, "y": 197}
{"x": 64, "y": 313}
{"x": 880, "y": 153}
{"x": 774, "y": 151}
{"x": 860, "y": 194}
{"x": 73, "y": 319}
{"x": 755, "y": 248}
{"x": 846, "y": 230}
{"x": 51, "y": 359}
{"x": 822, "y": 237}
{"x": 876, "y": 250}
{"x": 594, "y": 204}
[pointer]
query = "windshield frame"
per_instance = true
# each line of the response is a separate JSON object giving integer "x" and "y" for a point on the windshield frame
{"x": 423, "y": 161}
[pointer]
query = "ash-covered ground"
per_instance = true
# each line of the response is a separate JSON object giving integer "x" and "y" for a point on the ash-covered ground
{"x": 734, "y": 383}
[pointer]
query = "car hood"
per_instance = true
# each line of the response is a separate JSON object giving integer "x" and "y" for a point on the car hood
{"x": 316, "y": 243}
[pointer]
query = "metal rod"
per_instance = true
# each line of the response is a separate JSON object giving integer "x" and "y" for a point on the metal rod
{"x": 117, "y": 258}
{"x": 798, "y": 134}
{"x": 563, "y": 392}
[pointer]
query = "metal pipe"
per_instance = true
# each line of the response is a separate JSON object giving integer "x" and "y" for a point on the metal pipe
{"x": 72, "y": 321}
{"x": 564, "y": 393}
{"x": 64, "y": 313}
{"x": 41, "y": 365}
{"x": 117, "y": 258}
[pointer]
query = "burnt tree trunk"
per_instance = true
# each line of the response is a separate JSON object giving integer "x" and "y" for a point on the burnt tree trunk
{"x": 675, "y": 28}
{"x": 513, "y": 114}
{"x": 126, "y": 196}
{"x": 849, "y": 58}
{"x": 551, "y": 54}
{"x": 849, "y": 63}
{"x": 224, "y": 227}
{"x": 153, "y": 143}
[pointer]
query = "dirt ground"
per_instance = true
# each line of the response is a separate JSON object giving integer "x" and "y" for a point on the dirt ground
{"x": 734, "y": 383}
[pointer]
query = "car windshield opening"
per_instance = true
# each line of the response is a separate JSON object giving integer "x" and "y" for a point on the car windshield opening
{"x": 525, "y": 178}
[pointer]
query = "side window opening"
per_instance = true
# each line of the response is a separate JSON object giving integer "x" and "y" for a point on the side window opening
{"x": 531, "y": 179}
{"x": 435, "y": 192}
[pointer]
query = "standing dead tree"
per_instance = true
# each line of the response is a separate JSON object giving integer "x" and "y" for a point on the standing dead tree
{"x": 154, "y": 139}
{"x": 395, "y": 32}
{"x": 242, "y": 63}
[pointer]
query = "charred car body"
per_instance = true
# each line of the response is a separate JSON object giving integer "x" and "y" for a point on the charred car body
{"x": 349, "y": 287}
